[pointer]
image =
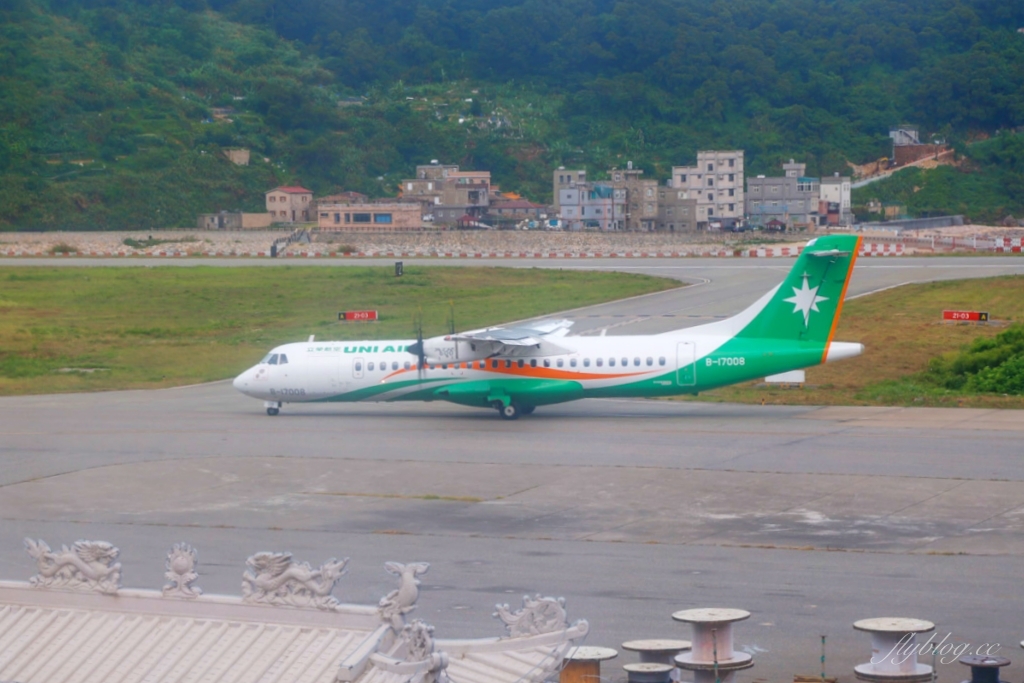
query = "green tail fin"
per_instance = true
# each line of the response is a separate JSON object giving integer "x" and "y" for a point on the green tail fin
{"x": 806, "y": 305}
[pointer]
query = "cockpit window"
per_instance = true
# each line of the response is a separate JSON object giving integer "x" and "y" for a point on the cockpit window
{"x": 282, "y": 359}
{"x": 273, "y": 359}
{"x": 266, "y": 358}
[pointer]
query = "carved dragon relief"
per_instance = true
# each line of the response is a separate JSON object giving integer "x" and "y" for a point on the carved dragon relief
{"x": 276, "y": 579}
{"x": 86, "y": 566}
{"x": 181, "y": 572}
{"x": 538, "y": 615}
{"x": 399, "y": 602}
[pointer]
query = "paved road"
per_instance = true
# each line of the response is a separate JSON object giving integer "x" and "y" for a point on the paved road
{"x": 809, "y": 518}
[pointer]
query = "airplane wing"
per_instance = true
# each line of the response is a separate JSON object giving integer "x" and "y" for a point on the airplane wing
{"x": 531, "y": 334}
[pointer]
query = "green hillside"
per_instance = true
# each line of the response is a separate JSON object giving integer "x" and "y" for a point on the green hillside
{"x": 107, "y": 121}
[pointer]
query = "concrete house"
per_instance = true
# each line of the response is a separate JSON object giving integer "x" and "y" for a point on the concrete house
{"x": 792, "y": 198}
{"x": 370, "y": 217}
{"x": 641, "y": 197}
{"x": 677, "y": 210}
{"x": 290, "y": 204}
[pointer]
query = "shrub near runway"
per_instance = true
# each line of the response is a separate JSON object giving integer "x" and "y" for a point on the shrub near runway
{"x": 903, "y": 336}
{"x": 75, "y": 329}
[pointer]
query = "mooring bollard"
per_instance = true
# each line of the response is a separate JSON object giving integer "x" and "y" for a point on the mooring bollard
{"x": 893, "y": 650}
{"x": 712, "y": 659}
{"x": 649, "y": 672}
{"x": 984, "y": 669}
{"x": 583, "y": 664}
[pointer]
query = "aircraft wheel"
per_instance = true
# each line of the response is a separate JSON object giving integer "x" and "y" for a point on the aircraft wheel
{"x": 273, "y": 411}
{"x": 528, "y": 410}
{"x": 509, "y": 412}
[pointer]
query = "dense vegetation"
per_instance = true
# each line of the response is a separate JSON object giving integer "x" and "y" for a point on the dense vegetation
{"x": 127, "y": 89}
{"x": 993, "y": 365}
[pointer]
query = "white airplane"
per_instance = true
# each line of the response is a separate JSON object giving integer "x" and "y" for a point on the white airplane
{"x": 516, "y": 369}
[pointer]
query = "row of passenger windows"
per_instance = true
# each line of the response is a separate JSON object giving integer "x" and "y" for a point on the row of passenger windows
{"x": 495, "y": 364}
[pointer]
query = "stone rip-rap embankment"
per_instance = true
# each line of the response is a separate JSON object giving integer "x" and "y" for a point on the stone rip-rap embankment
{"x": 178, "y": 243}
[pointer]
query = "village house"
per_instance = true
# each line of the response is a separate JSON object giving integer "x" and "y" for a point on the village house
{"x": 233, "y": 220}
{"x": 393, "y": 216}
{"x": 290, "y": 204}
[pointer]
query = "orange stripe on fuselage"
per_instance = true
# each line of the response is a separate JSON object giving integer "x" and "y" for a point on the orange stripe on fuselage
{"x": 532, "y": 372}
{"x": 842, "y": 299}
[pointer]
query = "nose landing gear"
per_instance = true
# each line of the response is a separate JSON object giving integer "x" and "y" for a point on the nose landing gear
{"x": 273, "y": 407}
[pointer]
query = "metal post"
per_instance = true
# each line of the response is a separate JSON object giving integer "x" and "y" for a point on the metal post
{"x": 823, "y": 658}
{"x": 714, "y": 652}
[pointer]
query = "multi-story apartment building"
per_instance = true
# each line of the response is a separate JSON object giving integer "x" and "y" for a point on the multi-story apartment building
{"x": 716, "y": 182}
{"x": 290, "y": 204}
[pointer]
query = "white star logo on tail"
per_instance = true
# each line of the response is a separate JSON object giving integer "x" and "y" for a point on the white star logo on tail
{"x": 805, "y": 300}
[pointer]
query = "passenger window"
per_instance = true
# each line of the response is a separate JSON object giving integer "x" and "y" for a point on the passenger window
{"x": 520, "y": 363}
{"x": 661, "y": 360}
{"x": 572, "y": 362}
{"x": 508, "y": 364}
{"x": 282, "y": 360}
{"x": 611, "y": 362}
{"x": 600, "y": 362}
{"x": 547, "y": 363}
{"x": 533, "y": 362}
{"x": 561, "y": 363}
{"x": 394, "y": 365}
{"x": 432, "y": 366}
{"x": 586, "y": 362}
{"x": 273, "y": 359}
{"x": 636, "y": 361}
{"x": 406, "y": 366}
{"x": 494, "y": 365}
{"x": 444, "y": 366}
{"x": 369, "y": 366}
{"x": 359, "y": 366}
{"x": 625, "y": 362}
{"x": 650, "y": 361}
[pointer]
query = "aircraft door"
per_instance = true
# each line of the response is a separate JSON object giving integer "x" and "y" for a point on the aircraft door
{"x": 686, "y": 366}
{"x": 357, "y": 368}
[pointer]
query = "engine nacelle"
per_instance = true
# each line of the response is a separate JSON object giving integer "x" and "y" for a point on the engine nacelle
{"x": 440, "y": 350}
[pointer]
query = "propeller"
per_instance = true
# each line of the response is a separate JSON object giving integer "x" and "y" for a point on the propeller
{"x": 451, "y": 325}
{"x": 417, "y": 348}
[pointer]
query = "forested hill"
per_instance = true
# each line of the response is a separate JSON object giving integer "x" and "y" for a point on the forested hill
{"x": 107, "y": 106}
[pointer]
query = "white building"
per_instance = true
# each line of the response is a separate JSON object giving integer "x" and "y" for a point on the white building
{"x": 716, "y": 182}
{"x": 836, "y": 190}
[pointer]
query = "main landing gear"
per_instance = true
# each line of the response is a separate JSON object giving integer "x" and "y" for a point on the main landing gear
{"x": 273, "y": 407}
{"x": 512, "y": 411}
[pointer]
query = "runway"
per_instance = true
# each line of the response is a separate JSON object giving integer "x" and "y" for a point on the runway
{"x": 809, "y": 518}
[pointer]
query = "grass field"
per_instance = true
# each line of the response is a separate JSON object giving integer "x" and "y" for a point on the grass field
{"x": 901, "y": 331}
{"x": 84, "y": 329}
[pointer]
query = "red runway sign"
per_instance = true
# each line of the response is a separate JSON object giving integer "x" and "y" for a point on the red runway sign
{"x": 348, "y": 316}
{"x": 966, "y": 316}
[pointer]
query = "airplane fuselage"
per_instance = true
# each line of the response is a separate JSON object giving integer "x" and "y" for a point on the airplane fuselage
{"x": 519, "y": 367}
